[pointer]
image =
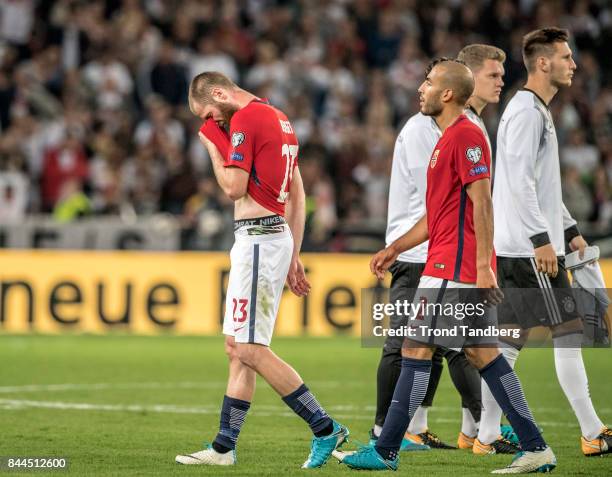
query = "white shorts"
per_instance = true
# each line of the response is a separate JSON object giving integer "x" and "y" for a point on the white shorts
{"x": 461, "y": 321}
{"x": 259, "y": 267}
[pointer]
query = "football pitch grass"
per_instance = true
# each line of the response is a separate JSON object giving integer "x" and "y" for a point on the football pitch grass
{"x": 125, "y": 405}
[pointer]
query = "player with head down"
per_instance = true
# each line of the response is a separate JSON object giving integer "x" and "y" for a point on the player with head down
{"x": 460, "y": 263}
{"x": 256, "y": 166}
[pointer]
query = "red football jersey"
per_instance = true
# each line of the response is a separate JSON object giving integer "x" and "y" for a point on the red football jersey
{"x": 460, "y": 157}
{"x": 263, "y": 144}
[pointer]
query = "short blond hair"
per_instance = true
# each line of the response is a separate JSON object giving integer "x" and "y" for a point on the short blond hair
{"x": 200, "y": 89}
{"x": 475, "y": 55}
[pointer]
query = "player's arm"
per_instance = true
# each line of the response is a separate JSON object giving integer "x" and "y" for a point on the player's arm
{"x": 479, "y": 193}
{"x": 381, "y": 262}
{"x": 295, "y": 212}
{"x": 472, "y": 162}
{"x": 232, "y": 180}
{"x": 524, "y": 132}
{"x": 572, "y": 235}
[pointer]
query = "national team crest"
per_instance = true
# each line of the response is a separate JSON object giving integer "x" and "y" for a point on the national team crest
{"x": 568, "y": 304}
{"x": 473, "y": 154}
{"x": 434, "y": 158}
{"x": 237, "y": 139}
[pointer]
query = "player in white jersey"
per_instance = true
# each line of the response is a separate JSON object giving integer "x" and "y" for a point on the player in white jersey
{"x": 487, "y": 65}
{"x": 413, "y": 149}
{"x": 532, "y": 227}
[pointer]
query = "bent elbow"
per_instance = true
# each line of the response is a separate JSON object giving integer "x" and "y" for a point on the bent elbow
{"x": 235, "y": 193}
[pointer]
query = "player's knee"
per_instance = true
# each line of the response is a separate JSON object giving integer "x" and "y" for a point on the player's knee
{"x": 515, "y": 337}
{"x": 230, "y": 348}
{"x": 413, "y": 350}
{"x": 569, "y": 327}
{"x": 480, "y": 357}
{"x": 248, "y": 354}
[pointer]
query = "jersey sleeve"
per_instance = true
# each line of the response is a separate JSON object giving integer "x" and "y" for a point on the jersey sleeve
{"x": 472, "y": 156}
{"x": 416, "y": 149}
{"x": 524, "y": 131}
{"x": 242, "y": 142}
{"x": 570, "y": 226}
{"x": 216, "y": 135}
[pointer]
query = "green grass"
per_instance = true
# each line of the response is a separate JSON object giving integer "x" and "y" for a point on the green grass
{"x": 146, "y": 372}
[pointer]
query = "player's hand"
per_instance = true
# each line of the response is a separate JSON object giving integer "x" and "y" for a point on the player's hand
{"x": 208, "y": 144}
{"x": 381, "y": 262}
{"x": 578, "y": 243}
{"x": 211, "y": 133}
{"x": 487, "y": 283}
{"x": 296, "y": 278}
{"x": 546, "y": 260}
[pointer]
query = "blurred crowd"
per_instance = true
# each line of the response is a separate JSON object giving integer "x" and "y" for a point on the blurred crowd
{"x": 94, "y": 117}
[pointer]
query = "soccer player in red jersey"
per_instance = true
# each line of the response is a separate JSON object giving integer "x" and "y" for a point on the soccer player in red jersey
{"x": 256, "y": 166}
{"x": 459, "y": 225}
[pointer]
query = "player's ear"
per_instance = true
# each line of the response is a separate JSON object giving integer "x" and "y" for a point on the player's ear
{"x": 543, "y": 64}
{"x": 218, "y": 94}
{"x": 447, "y": 95}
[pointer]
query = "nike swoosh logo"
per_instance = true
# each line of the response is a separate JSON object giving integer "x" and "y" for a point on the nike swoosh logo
{"x": 238, "y": 329}
{"x": 393, "y": 400}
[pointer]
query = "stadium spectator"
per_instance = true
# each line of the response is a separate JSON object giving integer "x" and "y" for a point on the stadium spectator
{"x": 168, "y": 77}
{"x": 72, "y": 202}
{"x": 16, "y": 22}
{"x": 110, "y": 79}
{"x": 62, "y": 164}
{"x": 579, "y": 154}
{"x": 141, "y": 177}
{"x": 210, "y": 57}
{"x": 159, "y": 126}
{"x": 576, "y": 195}
{"x": 14, "y": 188}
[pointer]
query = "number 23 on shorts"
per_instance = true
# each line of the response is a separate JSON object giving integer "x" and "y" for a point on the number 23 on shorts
{"x": 239, "y": 312}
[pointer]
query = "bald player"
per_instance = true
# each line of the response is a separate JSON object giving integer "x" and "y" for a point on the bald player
{"x": 460, "y": 261}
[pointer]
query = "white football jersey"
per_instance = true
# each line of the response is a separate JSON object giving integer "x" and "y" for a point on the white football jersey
{"x": 527, "y": 203}
{"x": 473, "y": 116}
{"x": 413, "y": 148}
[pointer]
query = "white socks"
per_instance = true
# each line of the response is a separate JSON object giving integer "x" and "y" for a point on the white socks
{"x": 468, "y": 425}
{"x": 377, "y": 430}
{"x": 418, "y": 423}
{"x": 490, "y": 418}
{"x": 573, "y": 380}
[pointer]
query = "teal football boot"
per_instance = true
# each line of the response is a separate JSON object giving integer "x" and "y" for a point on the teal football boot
{"x": 322, "y": 447}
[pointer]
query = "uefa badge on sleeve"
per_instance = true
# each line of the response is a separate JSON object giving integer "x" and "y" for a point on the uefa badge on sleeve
{"x": 237, "y": 139}
{"x": 473, "y": 154}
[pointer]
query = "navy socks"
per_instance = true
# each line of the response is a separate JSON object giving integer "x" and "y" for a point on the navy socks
{"x": 408, "y": 395}
{"x": 233, "y": 414}
{"x": 305, "y": 405}
{"x": 507, "y": 391}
